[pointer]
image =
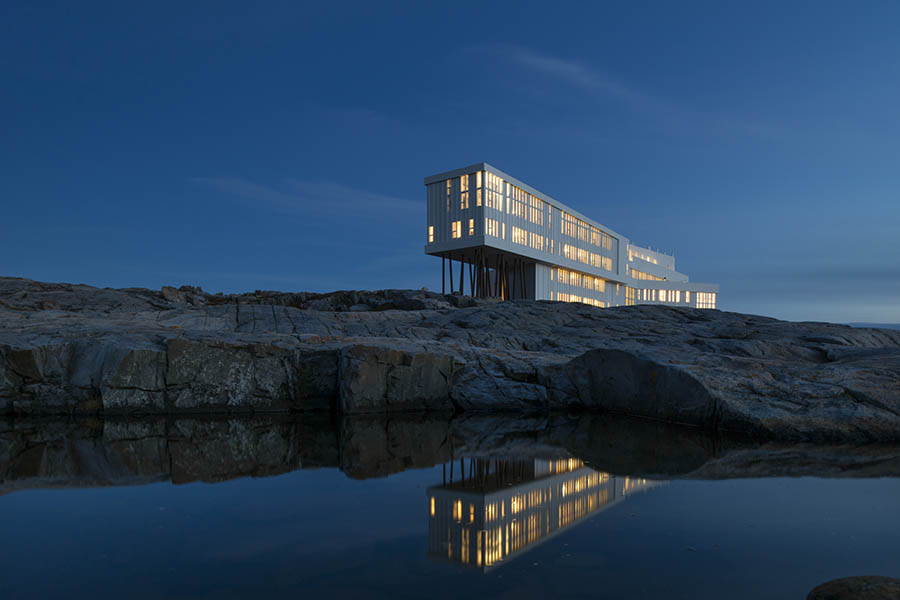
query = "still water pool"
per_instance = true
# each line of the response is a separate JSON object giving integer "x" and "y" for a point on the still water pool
{"x": 258, "y": 508}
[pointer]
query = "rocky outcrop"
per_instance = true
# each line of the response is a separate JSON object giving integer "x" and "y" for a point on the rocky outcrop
{"x": 77, "y": 349}
{"x": 863, "y": 587}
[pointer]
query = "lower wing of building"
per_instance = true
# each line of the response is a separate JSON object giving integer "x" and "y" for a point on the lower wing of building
{"x": 499, "y": 237}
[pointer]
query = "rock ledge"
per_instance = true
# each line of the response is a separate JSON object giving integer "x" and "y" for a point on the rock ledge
{"x": 78, "y": 349}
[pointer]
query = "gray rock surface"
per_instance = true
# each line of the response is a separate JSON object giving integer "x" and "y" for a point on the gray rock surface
{"x": 862, "y": 587}
{"x": 78, "y": 349}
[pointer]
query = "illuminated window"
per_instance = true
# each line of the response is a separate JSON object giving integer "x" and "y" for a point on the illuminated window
{"x": 430, "y": 233}
{"x": 687, "y": 296}
{"x": 645, "y": 276}
{"x": 519, "y": 236}
{"x": 456, "y": 229}
{"x": 471, "y": 227}
{"x": 536, "y": 212}
{"x": 629, "y": 296}
{"x": 492, "y": 227}
{"x": 464, "y": 192}
{"x": 517, "y": 202}
{"x": 706, "y": 300}
{"x": 634, "y": 253}
{"x": 493, "y": 191}
{"x": 432, "y": 506}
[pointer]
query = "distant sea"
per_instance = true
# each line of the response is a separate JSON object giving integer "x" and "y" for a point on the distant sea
{"x": 878, "y": 325}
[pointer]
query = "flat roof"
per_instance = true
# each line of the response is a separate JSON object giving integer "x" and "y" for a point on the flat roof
{"x": 483, "y": 166}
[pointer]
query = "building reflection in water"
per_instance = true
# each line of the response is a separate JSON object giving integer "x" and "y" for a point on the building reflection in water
{"x": 496, "y": 509}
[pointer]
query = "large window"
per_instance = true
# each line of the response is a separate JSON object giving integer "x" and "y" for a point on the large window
{"x": 519, "y": 236}
{"x": 645, "y": 276}
{"x": 471, "y": 227}
{"x": 706, "y": 300}
{"x": 588, "y": 282}
{"x": 577, "y": 254}
{"x": 493, "y": 191}
{"x": 517, "y": 204}
{"x": 536, "y": 214}
{"x": 456, "y": 229}
{"x": 564, "y": 297}
{"x": 633, "y": 253}
{"x": 430, "y": 233}
{"x": 464, "y": 192}
{"x": 603, "y": 262}
{"x": 492, "y": 227}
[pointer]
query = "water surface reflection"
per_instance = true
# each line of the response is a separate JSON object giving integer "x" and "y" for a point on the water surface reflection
{"x": 501, "y": 508}
{"x": 92, "y": 453}
{"x": 343, "y": 508}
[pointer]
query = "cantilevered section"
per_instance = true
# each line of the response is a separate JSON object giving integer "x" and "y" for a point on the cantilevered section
{"x": 512, "y": 241}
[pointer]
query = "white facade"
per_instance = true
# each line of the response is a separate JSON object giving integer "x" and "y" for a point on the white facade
{"x": 512, "y": 241}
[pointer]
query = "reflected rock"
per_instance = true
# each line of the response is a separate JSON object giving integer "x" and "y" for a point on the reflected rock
{"x": 87, "y": 453}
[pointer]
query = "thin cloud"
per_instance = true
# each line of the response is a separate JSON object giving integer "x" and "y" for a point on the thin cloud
{"x": 305, "y": 197}
{"x": 599, "y": 84}
{"x": 578, "y": 75}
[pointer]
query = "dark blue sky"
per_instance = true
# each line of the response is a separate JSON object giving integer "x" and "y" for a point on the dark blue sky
{"x": 273, "y": 145}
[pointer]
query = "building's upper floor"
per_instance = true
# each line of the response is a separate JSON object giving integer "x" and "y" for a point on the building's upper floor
{"x": 480, "y": 205}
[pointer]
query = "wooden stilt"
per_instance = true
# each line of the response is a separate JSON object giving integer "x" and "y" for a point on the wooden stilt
{"x": 522, "y": 277}
{"x": 443, "y": 275}
{"x": 451, "y": 274}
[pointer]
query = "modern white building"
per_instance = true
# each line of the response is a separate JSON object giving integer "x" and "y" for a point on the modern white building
{"x": 512, "y": 241}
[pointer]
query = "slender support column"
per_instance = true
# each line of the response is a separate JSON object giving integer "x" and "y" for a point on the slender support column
{"x": 451, "y": 273}
{"x": 462, "y": 275}
{"x": 522, "y": 277}
{"x": 443, "y": 275}
{"x": 475, "y": 273}
{"x": 481, "y": 293}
